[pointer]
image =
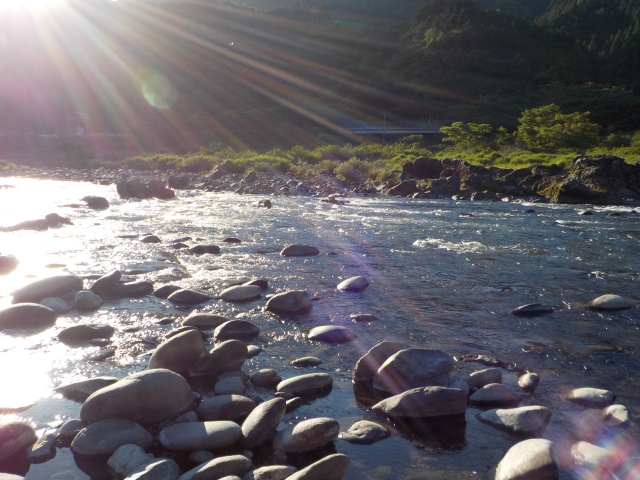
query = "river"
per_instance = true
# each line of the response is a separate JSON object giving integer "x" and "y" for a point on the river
{"x": 443, "y": 274}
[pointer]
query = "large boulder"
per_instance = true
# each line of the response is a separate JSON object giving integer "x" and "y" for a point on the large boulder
{"x": 425, "y": 167}
{"x": 404, "y": 189}
{"x": 224, "y": 357}
{"x": 145, "y": 397}
{"x": 15, "y": 437}
{"x": 306, "y": 435}
{"x": 58, "y": 286}
{"x": 104, "y": 437}
{"x": 424, "y": 402}
{"x": 179, "y": 353}
{"x": 367, "y": 366}
{"x": 193, "y": 436}
{"x": 530, "y": 459}
{"x": 261, "y": 423}
{"x": 293, "y": 301}
{"x": 27, "y": 315}
{"x": 413, "y": 368}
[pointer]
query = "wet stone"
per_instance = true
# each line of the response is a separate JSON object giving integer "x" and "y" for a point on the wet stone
{"x": 528, "y": 382}
{"x": 189, "y": 437}
{"x": 106, "y": 282}
{"x": 27, "y": 315}
{"x": 353, "y": 284}
{"x": 241, "y": 293}
{"x": 272, "y": 472}
{"x": 205, "y": 249}
{"x": 201, "y": 456}
{"x": 309, "y": 384}
{"x": 306, "y": 435}
{"x": 365, "y": 433}
{"x": 291, "y": 302}
{"x": 616, "y": 416}
{"x": 266, "y": 378}
{"x": 57, "y": 304}
{"x": 524, "y": 421}
{"x": 225, "y": 407}
{"x": 204, "y": 321}
{"x": 236, "y": 329}
{"x": 609, "y": 303}
{"x": 83, "y": 389}
{"x": 232, "y": 240}
{"x": 424, "y": 402}
{"x": 79, "y": 334}
{"x": 363, "y": 317}
{"x": 44, "y": 449}
{"x": 58, "y": 286}
{"x": 225, "y": 357}
{"x": 261, "y": 423}
{"x": 591, "y": 397}
{"x": 413, "y": 368}
{"x": 263, "y": 284}
{"x": 532, "y": 310}
{"x": 219, "y": 468}
{"x": 306, "y": 362}
{"x": 494, "y": 395}
{"x": 179, "y": 352}
{"x": 229, "y": 386}
{"x": 529, "y": 459}
{"x": 104, "y": 437}
{"x": 151, "y": 239}
{"x": 187, "y": 297}
{"x": 294, "y": 403}
{"x": 166, "y": 290}
{"x": 253, "y": 351}
{"x": 332, "y": 334}
{"x": 299, "y": 250}
{"x": 484, "y": 377}
{"x": 331, "y": 467}
{"x": 367, "y": 366}
{"x": 127, "y": 459}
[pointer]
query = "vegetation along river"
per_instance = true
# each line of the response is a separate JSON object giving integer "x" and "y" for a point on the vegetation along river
{"x": 442, "y": 275}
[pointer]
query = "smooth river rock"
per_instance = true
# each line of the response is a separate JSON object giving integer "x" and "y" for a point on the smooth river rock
{"x": 291, "y": 302}
{"x": 204, "y": 321}
{"x": 261, "y": 423}
{"x": 306, "y": 435}
{"x": 494, "y": 395}
{"x": 309, "y": 384}
{"x": 27, "y": 315}
{"x": 57, "y": 304}
{"x": 524, "y": 421}
{"x": 332, "y": 334}
{"x": 353, "y": 284}
{"x": 144, "y": 397}
{"x": 528, "y": 460}
{"x": 424, "y": 402}
{"x": 332, "y": 467}
{"x": 595, "y": 459}
{"x": 128, "y": 458}
{"x": 15, "y": 437}
{"x": 272, "y": 472}
{"x": 79, "y": 334}
{"x": 367, "y": 366}
{"x": 616, "y": 416}
{"x": 528, "y": 382}
{"x": 484, "y": 377}
{"x": 531, "y": 310}
{"x": 225, "y": 407}
{"x": 609, "y": 303}
{"x": 179, "y": 353}
{"x": 241, "y": 293}
{"x": 229, "y": 386}
{"x": 414, "y": 368}
{"x": 83, "y": 389}
{"x": 236, "y": 329}
{"x": 58, "y": 286}
{"x": 86, "y": 301}
{"x": 299, "y": 250}
{"x": 205, "y": 249}
{"x": 266, "y": 378}
{"x": 306, "y": 362}
{"x": 156, "y": 469}
{"x": 591, "y": 397}
{"x": 106, "y": 282}
{"x": 104, "y": 437}
{"x": 189, "y": 437}
{"x": 224, "y": 357}
{"x": 166, "y": 290}
{"x": 8, "y": 263}
{"x": 218, "y": 468}
{"x": 187, "y": 297}
{"x": 365, "y": 433}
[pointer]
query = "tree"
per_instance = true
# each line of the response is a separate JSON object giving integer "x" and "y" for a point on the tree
{"x": 468, "y": 136}
{"x": 547, "y": 128}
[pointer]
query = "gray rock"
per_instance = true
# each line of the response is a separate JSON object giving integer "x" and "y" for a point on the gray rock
{"x": 225, "y": 407}
{"x": 84, "y": 388}
{"x": 104, "y": 437}
{"x": 529, "y": 459}
{"x": 353, "y": 284}
{"x": 205, "y": 249}
{"x": 225, "y": 357}
{"x": 363, "y": 317}
{"x": 241, "y": 293}
{"x": 187, "y": 297}
{"x": 27, "y": 315}
{"x": 368, "y": 365}
{"x": 204, "y": 321}
{"x": 294, "y": 302}
{"x": 609, "y": 303}
{"x": 70, "y": 429}
{"x": 260, "y": 282}
{"x": 525, "y": 421}
{"x": 44, "y": 449}
{"x": 532, "y": 310}
{"x": 616, "y": 416}
{"x": 242, "y": 375}
{"x": 299, "y": 250}
{"x": 130, "y": 290}
{"x": 253, "y": 351}
{"x": 79, "y": 334}
{"x": 188, "y": 417}
{"x": 229, "y": 386}
{"x": 595, "y": 459}
{"x": 272, "y": 472}
{"x": 528, "y": 382}
{"x": 106, "y": 282}
{"x": 294, "y": 403}
{"x": 332, "y": 334}
{"x": 58, "y": 286}
{"x": 144, "y": 397}
{"x": 236, "y": 329}
{"x": 266, "y": 378}
{"x": 151, "y": 239}
{"x": 261, "y": 423}
{"x": 179, "y": 353}
{"x": 484, "y": 377}
{"x": 332, "y": 467}
{"x": 496, "y": 395}
{"x": 159, "y": 469}
{"x": 591, "y": 397}
{"x": 218, "y": 468}
{"x": 201, "y": 456}
{"x": 414, "y": 368}
{"x": 166, "y": 290}
{"x": 189, "y": 437}
{"x": 127, "y": 459}
{"x": 461, "y": 385}
{"x": 57, "y": 304}
{"x": 306, "y": 362}
{"x": 306, "y": 435}
{"x": 15, "y": 437}
{"x": 308, "y": 384}
{"x": 8, "y": 263}
{"x": 365, "y": 433}
{"x": 424, "y": 402}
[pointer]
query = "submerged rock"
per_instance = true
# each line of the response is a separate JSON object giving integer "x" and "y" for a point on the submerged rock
{"x": 27, "y": 315}
{"x": 609, "y": 303}
{"x": 532, "y": 310}
{"x": 57, "y": 304}
{"x": 306, "y": 362}
{"x": 187, "y": 297}
{"x": 83, "y": 389}
{"x": 204, "y": 320}
{"x": 353, "y": 284}
{"x": 241, "y": 293}
{"x": 424, "y": 402}
{"x": 309, "y": 384}
{"x": 79, "y": 334}
{"x": 236, "y": 329}
{"x": 494, "y": 394}
{"x": 413, "y": 368}
{"x": 106, "y": 282}
{"x": 530, "y": 459}
{"x": 225, "y": 357}
{"x": 205, "y": 249}
{"x": 166, "y": 290}
{"x": 365, "y": 433}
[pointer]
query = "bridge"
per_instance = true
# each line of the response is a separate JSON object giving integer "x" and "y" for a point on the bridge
{"x": 420, "y": 127}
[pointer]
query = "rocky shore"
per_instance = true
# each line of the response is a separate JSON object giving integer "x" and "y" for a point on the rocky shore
{"x": 601, "y": 180}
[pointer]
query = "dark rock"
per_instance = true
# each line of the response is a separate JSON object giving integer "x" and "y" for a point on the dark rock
{"x": 241, "y": 293}
{"x": 294, "y": 302}
{"x": 179, "y": 182}
{"x": 299, "y": 251}
{"x": 306, "y": 362}
{"x": 303, "y": 385}
{"x": 205, "y": 249}
{"x": 58, "y": 286}
{"x": 220, "y": 468}
{"x": 38, "y": 225}
{"x": 15, "y": 437}
{"x": 79, "y": 334}
{"x": 179, "y": 353}
{"x": 225, "y": 357}
{"x": 54, "y": 219}
{"x": 151, "y": 239}
{"x": 96, "y": 203}
{"x": 166, "y": 290}
{"x": 8, "y": 263}
{"x": 266, "y": 378}
{"x": 232, "y": 240}
{"x": 332, "y": 334}
{"x": 104, "y": 437}
{"x": 424, "y": 402}
{"x": 261, "y": 423}
{"x": 413, "y": 368}
{"x": 204, "y": 320}
{"x": 187, "y": 297}
{"x": 27, "y": 315}
{"x": 263, "y": 284}
{"x": 236, "y": 329}
{"x": 591, "y": 397}
{"x": 306, "y": 435}
{"x": 264, "y": 204}
{"x": 189, "y": 437}
{"x": 225, "y": 407}
{"x": 404, "y": 189}
{"x": 363, "y": 317}
{"x": 367, "y": 366}
{"x": 86, "y": 301}
{"x": 365, "y": 433}
{"x": 331, "y": 467}
{"x": 531, "y": 310}
{"x": 83, "y": 389}
{"x": 106, "y": 282}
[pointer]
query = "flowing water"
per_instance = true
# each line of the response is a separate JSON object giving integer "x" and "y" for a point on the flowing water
{"x": 443, "y": 275}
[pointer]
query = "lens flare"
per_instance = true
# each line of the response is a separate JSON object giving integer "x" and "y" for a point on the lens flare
{"x": 158, "y": 91}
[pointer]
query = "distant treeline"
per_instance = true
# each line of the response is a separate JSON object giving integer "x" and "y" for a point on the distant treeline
{"x": 175, "y": 76}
